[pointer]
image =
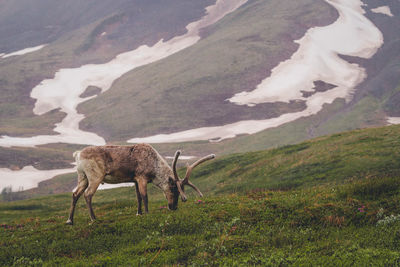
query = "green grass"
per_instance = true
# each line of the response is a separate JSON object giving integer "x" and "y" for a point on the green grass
{"x": 324, "y": 202}
{"x": 320, "y": 225}
{"x": 369, "y": 152}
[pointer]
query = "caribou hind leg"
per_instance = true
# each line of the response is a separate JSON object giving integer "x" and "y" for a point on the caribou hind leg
{"x": 95, "y": 177}
{"x": 82, "y": 185}
{"x": 88, "y": 197}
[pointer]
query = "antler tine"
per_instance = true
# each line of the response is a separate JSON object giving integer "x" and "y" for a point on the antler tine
{"x": 191, "y": 167}
{"x": 177, "y": 153}
{"x": 195, "y": 188}
{"x": 178, "y": 181}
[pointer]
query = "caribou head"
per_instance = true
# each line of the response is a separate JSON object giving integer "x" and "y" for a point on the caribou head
{"x": 177, "y": 185}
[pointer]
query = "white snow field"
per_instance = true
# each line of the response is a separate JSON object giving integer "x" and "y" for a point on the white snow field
{"x": 28, "y": 177}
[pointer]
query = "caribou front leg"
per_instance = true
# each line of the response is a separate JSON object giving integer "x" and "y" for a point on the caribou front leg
{"x": 143, "y": 193}
{"x": 139, "y": 199}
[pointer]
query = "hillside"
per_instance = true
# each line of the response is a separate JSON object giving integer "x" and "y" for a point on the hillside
{"x": 327, "y": 201}
{"x": 305, "y": 164}
{"x": 190, "y": 87}
{"x": 188, "y": 90}
{"x": 337, "y": 158}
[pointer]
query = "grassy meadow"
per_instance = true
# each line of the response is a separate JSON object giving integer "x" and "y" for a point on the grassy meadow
{"x": 331, "y": 201}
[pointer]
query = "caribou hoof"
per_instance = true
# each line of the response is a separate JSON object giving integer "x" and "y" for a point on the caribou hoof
{"x": 69, "y": 222}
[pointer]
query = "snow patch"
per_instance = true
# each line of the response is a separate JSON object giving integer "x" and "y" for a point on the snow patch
{"x": 110, "y": 186}
{"x": 23, "y": 51}
{"x": 318, "y": 58}
{"x": 393, "y": 120}
{"x": 28, "y": 177}
{"x": 383, "y": 10}
{"x": 182, "y": 157}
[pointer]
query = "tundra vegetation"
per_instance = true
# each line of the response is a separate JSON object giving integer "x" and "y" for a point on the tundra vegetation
{"x": 328, "y": 201}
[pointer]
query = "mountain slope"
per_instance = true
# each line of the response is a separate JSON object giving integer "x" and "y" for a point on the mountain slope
{"x": 189, "y": 89}
{"x": 94, "y": 33}
{"x": 128, "y": 23}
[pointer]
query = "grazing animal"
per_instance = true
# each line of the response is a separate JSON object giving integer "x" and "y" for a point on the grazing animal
{"x": 140, "y": 164}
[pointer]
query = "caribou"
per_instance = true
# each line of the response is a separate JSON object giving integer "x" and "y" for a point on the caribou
{"x": 140, "y": 164}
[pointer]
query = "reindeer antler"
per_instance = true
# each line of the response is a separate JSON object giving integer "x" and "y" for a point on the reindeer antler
{"x": 195, "y": 188}
{"x": 179, "y": 182}
{"x": 177, "y": 153}
{"x": 191, "y": 167}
